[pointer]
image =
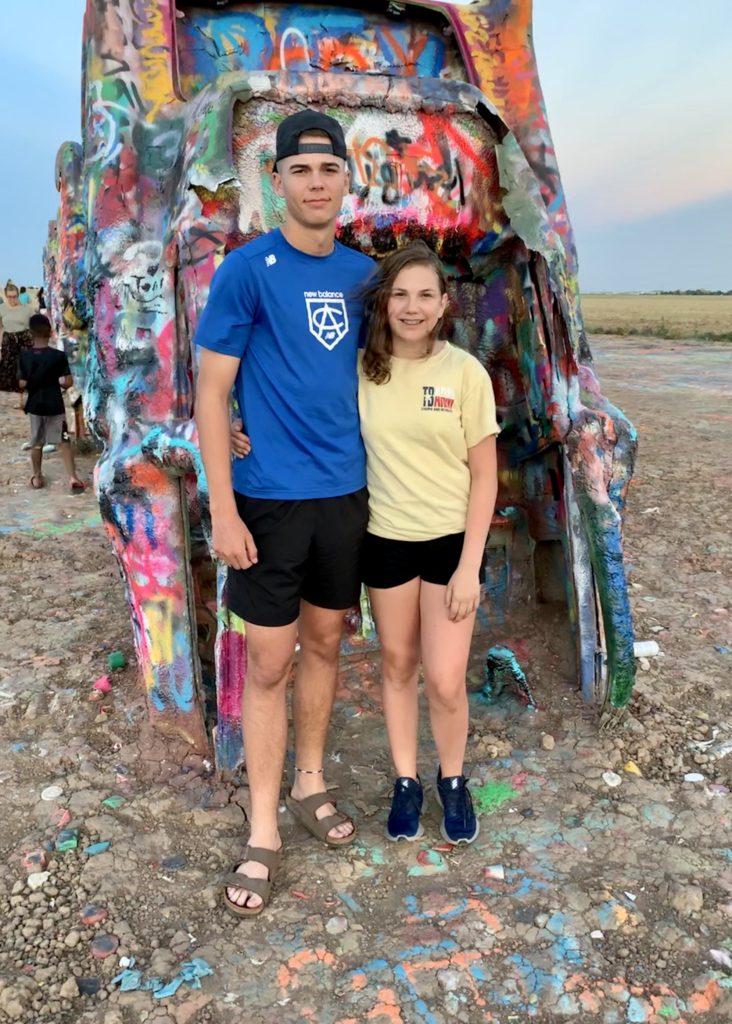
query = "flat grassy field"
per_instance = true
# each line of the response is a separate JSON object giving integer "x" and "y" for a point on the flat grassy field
{"x": 708, "y": 317}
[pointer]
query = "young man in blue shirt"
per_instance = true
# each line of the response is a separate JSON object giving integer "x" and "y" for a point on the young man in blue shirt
{"x": 281, "y": 326}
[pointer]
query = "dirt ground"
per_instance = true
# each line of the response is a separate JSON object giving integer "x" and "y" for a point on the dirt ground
{"x": 582, "y": 899}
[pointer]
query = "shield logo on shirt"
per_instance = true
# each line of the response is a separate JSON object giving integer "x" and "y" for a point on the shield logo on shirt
{"x": 327, "y": 320}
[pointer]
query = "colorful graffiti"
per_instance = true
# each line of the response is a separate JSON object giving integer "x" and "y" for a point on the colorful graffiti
{"x": 311, "y": 37}
{"x": 64, "y": 269}
{"x": 448, "y": 140}
{"x": 71, "y": 239}
{"x": 410, "y": 171}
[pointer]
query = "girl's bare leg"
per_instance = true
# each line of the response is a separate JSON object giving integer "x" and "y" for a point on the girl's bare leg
{"x": 396, "y": 612}
{"x": 445, "y": 652}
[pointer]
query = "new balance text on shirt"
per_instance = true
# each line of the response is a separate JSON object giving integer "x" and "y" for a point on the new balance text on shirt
{"x": 327, "y": 317}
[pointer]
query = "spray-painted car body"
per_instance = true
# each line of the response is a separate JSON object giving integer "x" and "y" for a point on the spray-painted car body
{"x": 448, "y": 140}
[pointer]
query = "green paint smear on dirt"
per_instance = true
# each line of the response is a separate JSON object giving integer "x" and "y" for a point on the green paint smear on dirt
{"x": 668, "y": 1013}
{"x": 491, "y": 795}
{"x": 114, "y": 801}
{"x": 55, "y": 529}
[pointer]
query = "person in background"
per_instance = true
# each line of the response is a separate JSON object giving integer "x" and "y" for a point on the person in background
{"x": 15, "y": 335}
{"x": 41, "y": 299}
{"x": 24, "y": 297}
{"x": 428, "y": 421}
{"x": 42, "y": 373}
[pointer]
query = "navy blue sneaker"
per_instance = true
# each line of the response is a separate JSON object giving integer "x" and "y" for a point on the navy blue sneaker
{"x": 459, "y": 824}
{"x": 406, "y": 807}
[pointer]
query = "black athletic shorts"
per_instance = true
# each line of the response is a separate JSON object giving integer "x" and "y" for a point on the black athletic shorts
{"x": 389, "y": 563}
{"x": 306, "y": 549}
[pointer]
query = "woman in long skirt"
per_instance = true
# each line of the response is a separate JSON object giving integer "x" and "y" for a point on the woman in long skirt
{"x": 14, "y": 324}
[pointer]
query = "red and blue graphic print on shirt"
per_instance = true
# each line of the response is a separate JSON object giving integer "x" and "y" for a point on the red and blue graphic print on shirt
{"x": 437, "y": 399}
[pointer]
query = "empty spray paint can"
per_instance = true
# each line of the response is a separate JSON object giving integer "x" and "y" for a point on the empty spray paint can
{"x": 116, "y": 660}
{"x": 646, "y": 649}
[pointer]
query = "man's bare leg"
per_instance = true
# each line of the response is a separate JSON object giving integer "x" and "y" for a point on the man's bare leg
{"x": 270, "y": 651}
{"x": 69, "y": 461}
{"x": 36, "y": 457}
{"x": 320, "y": 631}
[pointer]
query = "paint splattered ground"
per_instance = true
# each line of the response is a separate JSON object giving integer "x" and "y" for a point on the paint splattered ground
{"x": 579, "y": 901}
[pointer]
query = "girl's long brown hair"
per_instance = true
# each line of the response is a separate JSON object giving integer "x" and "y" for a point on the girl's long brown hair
{"x": 379, "y": 346}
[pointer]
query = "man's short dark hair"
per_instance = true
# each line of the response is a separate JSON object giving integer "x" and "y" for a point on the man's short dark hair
{"x": 40, "y": 325}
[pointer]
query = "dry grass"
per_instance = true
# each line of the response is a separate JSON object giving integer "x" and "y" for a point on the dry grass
{"x": 708, "y": 317}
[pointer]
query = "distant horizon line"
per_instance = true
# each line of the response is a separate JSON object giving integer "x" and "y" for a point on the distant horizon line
{"x": 703, "y": 292}
{"x": 583, "y": 291}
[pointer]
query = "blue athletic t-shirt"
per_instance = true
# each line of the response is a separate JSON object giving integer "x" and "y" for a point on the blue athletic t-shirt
{"x": 294, "y": 321}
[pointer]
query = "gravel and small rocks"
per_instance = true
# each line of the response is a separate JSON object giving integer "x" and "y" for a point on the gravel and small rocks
{"x": 619, "y": 896}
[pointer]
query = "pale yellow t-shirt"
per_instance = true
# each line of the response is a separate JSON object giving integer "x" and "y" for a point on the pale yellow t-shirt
{"x": 417, "y": 429}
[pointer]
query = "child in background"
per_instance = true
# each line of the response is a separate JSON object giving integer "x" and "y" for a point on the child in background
{"x": 42, "y": 372}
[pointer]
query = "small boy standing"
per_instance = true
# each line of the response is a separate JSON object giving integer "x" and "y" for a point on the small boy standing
{"x": 42, "y": 373}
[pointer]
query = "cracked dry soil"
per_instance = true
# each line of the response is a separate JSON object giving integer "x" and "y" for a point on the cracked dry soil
{"x": 580, "y": 900}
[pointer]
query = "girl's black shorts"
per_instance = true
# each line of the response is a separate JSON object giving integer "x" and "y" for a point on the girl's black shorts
{"x": 388, "y": 563}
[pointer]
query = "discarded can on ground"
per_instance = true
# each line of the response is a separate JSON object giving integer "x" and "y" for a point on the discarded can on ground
{"x": 646, "y": 649}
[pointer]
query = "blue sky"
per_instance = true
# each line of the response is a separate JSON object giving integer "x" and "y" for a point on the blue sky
{"x": 638, "y": 92}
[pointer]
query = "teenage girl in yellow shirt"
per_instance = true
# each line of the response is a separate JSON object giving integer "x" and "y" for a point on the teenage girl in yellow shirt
{"x": 429, "y": 425}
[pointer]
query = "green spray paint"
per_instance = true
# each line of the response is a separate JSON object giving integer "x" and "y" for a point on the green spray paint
{"x": 68, "y": 839}
{"x": 114, "y": 801}
{"x": 368, "y": 626}
{"x": 523, "y": 202}
{"x": 45, "y": 529}
{"x": 491, "y": 795}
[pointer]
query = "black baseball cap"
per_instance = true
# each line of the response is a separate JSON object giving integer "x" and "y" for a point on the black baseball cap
{"x": 290, "y": 130}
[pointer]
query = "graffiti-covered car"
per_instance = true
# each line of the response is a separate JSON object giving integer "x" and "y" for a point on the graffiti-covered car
{"x": 448, "y": 141}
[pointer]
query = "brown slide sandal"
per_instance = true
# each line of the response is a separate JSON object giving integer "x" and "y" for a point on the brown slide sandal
{"x": 304, "y": 811}
{"x": 261, "y": 887}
